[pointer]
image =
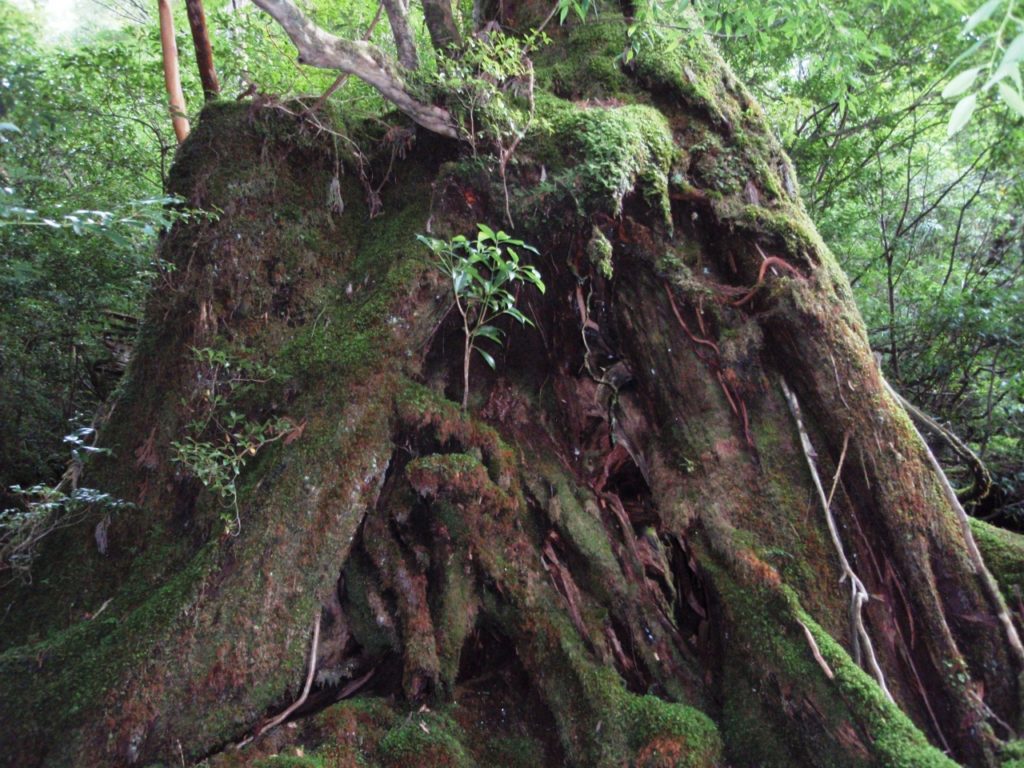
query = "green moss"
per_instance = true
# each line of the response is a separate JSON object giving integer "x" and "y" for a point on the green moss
{"x": 1003, "y": 553}
{"x": 289, "y": 761}
{"x": 586, "y": 64}
{"x": 602, "y": 153}
{"x": 691, "y": 70}
{"x": 677, "y": 727}
{"x": 599, "y": 251}
{"x": 424, "y": 738}
{"x": 78, "y": 666}
{"x": 751, "y": 736}
{"x": 352, "y": 333}
{"x": 763, "y": 624}
{"x": 785, "y": 222}
{"x": 512, "y": 752}
{"x": 453, "y": 611}
{"x": 896, "y": 740}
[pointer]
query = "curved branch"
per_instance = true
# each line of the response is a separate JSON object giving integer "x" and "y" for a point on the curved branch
{"x": 366, "y": 61}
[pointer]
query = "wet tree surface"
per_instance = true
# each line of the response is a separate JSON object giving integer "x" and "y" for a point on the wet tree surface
{"x": 618, "y": 555}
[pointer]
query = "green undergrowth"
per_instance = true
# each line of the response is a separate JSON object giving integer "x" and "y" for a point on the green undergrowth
{"x": 1012, "y": 754}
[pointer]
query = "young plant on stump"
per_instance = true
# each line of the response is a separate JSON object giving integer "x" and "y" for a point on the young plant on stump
{"x": 484, "y": 272}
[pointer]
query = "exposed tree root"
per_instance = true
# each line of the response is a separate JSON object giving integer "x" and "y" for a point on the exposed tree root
{"x": 858, "y": 593}
{"x": 984, "y": 575}
{"x": 276, "y": 721}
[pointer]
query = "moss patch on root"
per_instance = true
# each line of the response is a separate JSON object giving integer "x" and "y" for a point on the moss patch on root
{"x": 586, "y": 64}
{"x": 1003, "y": 553}
{"x": 764, "y": 625}
{"x": 424, "y": 738}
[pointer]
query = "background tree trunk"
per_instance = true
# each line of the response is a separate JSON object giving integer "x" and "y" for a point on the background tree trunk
{"x": 204, "y": 53}
{"x": 617, "y": 556}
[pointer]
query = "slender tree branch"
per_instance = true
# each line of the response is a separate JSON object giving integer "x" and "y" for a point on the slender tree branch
{"x": 204, "y": 53}
{"x": 172, "y": 78}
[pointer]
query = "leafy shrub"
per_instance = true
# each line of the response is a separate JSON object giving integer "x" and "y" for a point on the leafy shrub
{"x": 483, "y": 273}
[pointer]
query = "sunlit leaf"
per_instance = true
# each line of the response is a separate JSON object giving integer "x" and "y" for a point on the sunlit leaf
{"x": 1011, "y": 98}
{"x": 984, "y": 13}
{"x": 489, "y": 332}
{"x": 961, "y": 114}
{"x": 1014, "y": 51}
{"x": 487, "y": 358}
{"x": 960, "y": 83}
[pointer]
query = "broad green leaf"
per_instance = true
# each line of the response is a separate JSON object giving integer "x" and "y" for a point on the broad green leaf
{"x": 515, "y": 314}
{"x": 960, "y": 83}
{"x": 489, "y": 332}
{"x": 487, "y": 357}
{"x": 961, "y": 114}
{"x": 984, "y": 13}
{"x": 1011, "y": 98}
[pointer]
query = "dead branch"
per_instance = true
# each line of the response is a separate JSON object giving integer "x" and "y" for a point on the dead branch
{"x": 982, "y": 477}
{"x": 816, "y": 652}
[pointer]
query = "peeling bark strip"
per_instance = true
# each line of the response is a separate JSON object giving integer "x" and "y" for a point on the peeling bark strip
{"x": 204, "y": 53}
{"x": 172, "y": 78}
{"x": 366, "y": 61}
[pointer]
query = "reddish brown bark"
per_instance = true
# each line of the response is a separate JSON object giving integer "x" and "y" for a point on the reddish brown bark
{"x": 172, "y": 77}
{"x": 204, "y": 52}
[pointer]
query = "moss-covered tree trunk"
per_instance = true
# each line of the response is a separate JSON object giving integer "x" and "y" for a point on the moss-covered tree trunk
{"x": 616, "y": 556}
